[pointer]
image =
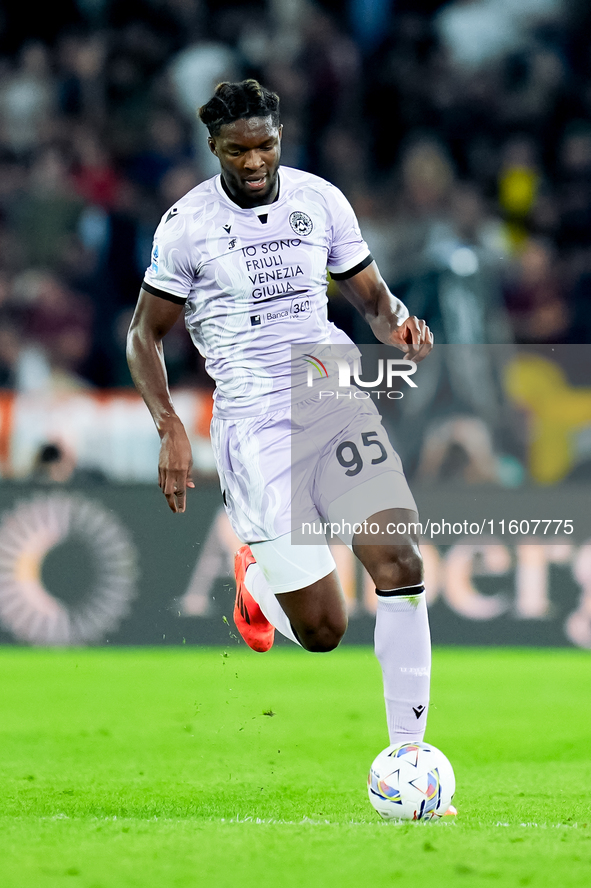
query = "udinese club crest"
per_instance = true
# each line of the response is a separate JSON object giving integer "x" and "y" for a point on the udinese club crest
{"x": 301, "y": 223}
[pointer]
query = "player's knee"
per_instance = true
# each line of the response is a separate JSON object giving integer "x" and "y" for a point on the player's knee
{"x": 399, "y": 566}
{"x": 324, "y": 636}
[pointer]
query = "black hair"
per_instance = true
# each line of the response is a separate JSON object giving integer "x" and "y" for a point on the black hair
{"x": 49, "y": 453}
{"x": 237, "y": 101}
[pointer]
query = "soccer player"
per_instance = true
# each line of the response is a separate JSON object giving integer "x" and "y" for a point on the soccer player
{"x": 244, "y": 256}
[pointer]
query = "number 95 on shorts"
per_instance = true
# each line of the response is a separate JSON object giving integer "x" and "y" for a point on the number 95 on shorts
{"x": 358, "y": 472}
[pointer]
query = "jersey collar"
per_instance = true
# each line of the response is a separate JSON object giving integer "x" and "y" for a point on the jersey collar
{"x": 263, "y": 208}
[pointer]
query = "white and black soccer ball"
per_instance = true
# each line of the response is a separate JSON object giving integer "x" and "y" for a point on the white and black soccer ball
{"x": 411, "y": 781}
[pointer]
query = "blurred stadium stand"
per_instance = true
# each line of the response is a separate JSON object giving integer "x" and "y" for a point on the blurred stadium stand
{"x": 459, "y": 130}
{"x": 461, "y": 133}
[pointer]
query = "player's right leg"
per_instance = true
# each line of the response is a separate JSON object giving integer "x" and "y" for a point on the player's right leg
{"x": 294, "y": 589}
{"x": 254, "y": 627}
{"x": 317, "y": 613}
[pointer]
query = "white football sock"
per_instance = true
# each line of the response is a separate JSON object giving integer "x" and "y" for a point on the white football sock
{"x": 403, "y": 648}
{"x": 266, "y": 599}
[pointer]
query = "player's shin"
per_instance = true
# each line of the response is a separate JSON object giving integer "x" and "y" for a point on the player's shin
{"x": 403, "y": 648}
{"x": 267, "y": 601}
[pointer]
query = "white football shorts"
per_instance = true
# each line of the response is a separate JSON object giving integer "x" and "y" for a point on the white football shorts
{"x": 289, "y": 471}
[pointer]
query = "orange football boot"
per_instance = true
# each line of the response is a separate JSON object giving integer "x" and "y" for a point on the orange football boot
{"x": 250, "y": 621}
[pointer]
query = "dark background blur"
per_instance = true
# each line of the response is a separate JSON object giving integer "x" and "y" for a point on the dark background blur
{"x": 449, "y": 125}
{"x": 460, "y": 131}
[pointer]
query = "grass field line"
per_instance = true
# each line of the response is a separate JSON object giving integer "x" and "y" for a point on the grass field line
{"x": 309, "y": 821}
{"x": 129, "y": 769}
{"x": 542, "y": 825}
{"x": 450, "y": 823}
{"x": 426, "y": 824}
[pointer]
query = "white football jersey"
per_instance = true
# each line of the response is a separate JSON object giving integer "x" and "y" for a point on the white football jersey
{"x": 253, "y": 282}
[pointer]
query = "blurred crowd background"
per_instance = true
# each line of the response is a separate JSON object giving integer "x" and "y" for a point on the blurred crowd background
{"x": 460, "y": 131}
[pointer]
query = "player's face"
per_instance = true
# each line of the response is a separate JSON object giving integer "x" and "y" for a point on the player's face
{"x": 249, "y": 151}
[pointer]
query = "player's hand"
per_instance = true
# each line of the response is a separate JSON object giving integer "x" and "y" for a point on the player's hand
{"x": 174, "y": 467}
{"x": 414, "y": 338}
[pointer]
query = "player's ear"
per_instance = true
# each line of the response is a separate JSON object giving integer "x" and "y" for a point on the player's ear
{"x": 212, "y": 148}
{"x": 280, "y": 131}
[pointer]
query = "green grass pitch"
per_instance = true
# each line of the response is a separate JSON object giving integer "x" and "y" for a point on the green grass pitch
{"x": 202, "y": 767}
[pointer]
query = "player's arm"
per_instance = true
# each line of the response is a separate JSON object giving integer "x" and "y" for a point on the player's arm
{"x": 152, "y": 319}
{"x": 386, "y": 315}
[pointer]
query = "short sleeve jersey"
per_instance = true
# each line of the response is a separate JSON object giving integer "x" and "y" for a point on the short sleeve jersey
{"x": 253, "y": 281}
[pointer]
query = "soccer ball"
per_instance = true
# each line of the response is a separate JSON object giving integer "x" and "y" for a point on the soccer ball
{"x": 411, "y": 781}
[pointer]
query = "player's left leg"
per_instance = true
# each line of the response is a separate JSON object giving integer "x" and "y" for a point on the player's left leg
{"x": 402, "y": 638}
